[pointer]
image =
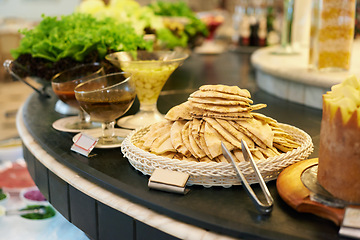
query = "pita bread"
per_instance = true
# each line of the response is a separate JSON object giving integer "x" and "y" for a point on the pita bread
{"x": 260, "y": 129}
{"x": 178, "y": 156}
{"x": 186, "y": 140}
{"x": 239, "y": 157}
{"x": 264, "y": 118}
{"x": 247, "y": 133}
{"x": 235, "y": 90}
{"x": 205, "y": 159}
{"x": 213, "y": 141}
{"x": 154, "y": 132}
{"x": 181, "y": 111}
{"x": 223, "y": 132}
{"x": 196, "y": 150}
{"x": 190, "y": 158}
{"x": 220, "y": 95}
{"x": 200, "y": 113}
{"x": 168, "y": 154}
{"x": 175, "y": 136}
{"x": 219, "y": 101}
{"x": 221, "y": 158}
{"x": 162, "y": 143}
{"x": 202, "y": 140}
{"x": 256, "y": 154}
{"x": 269, "y": 152}
{"x": 236, "y": 133}
{"x": 230, "y": 109}
{"x": 195, "y": 127}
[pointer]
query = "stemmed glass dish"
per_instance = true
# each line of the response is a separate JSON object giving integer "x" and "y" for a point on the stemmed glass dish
{"x": 105, "y": 99}
{"x": 150, "y": 71}
{"x": 63, "y": 85}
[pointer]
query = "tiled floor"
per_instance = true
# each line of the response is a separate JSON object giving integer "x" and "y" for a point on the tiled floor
{"x": 12, "y": 95}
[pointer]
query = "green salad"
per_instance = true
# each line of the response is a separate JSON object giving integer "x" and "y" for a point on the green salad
{"x": 49, "y": 212}
{"x": 181, "y": 9}
{"x": 76, "y": 36}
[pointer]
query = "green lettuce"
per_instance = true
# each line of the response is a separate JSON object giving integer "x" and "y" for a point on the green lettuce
{"x": 76, "y": 36}
{"x": 180, "y": 9}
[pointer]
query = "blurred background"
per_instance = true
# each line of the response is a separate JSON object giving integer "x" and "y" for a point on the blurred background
{"x": 234, "y": 25}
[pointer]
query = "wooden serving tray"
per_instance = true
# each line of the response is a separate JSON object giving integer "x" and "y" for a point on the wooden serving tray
{"x": 294, "y": 193}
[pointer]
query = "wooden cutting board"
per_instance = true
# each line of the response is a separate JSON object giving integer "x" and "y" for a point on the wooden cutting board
{"x": 294, "y": 193}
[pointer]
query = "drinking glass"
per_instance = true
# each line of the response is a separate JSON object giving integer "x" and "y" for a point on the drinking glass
{"x": 150, "y": 71}
{"x": 63, "y": 85}
{"x": 286, "y": 47}
{"x": 105, "y": 99}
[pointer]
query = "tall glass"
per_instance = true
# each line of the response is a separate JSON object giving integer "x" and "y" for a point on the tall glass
{"x": 150, "y": 71}
{"x": 105, "y": 99}
{"x": 63, "y": 85}
{"x": 286, "y": 29}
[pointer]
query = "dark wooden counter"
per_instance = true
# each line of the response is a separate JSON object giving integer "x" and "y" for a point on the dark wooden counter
{"x": 225, "y": 211}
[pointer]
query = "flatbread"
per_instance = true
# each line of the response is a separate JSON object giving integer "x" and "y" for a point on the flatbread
{"x": 200, "y": 113}
{"x": 195, "y": 149}
{"x": 226, "y": 109}
{"x": 185, "y": 138}
{"x": 236, "y": 133}
{"x": 221, "y": 158}
{"x": 213, "y": 141}
{"x": 269, "y": 152}
{"x": 223, "y": 132}
{"x": 257, "y": 141}
{"x": 168, "y": 154}
{"x": 256, "y": 154}
{"x": 195, "y": 130}
{"x": 239, "y": 157}
{"x": 220, "y": 95}
{"x": 164, "y": 147}
{"x": 164, "y": 136}
{"x": 202, "y": 140}
{"x": 260, "y": 129}
{"x": 181, "y": 111}
{"x": 205, "y": 159}
{"x": 175, "y": 136}
{"x": 154, "y": 132}
{"x": 226, "y": 89}
{"x": 219, "y": 101}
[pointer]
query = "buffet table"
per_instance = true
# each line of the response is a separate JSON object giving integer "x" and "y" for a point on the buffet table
{"x": 107, "y": 198}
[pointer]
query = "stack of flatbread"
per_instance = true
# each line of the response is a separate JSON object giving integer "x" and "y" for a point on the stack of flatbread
{"x": 195, "y": 129}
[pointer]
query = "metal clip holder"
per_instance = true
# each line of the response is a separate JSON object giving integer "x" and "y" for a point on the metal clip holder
{"x": 263, "y": 208}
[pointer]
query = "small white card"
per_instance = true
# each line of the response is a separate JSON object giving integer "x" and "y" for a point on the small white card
{"x": 351, "y": 224}
{"x": 169, "y": 181}
{"x": 84, "y": 144}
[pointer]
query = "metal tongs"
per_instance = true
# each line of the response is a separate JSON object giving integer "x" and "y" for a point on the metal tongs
{"x": 264, "y": 208}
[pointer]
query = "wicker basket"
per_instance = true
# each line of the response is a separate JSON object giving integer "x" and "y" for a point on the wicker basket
{"x": 213, "y": 173}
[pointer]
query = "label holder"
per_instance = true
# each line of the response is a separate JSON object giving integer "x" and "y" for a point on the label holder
{"x": 84, "y": 144}
{"x": 169, "y": 181}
